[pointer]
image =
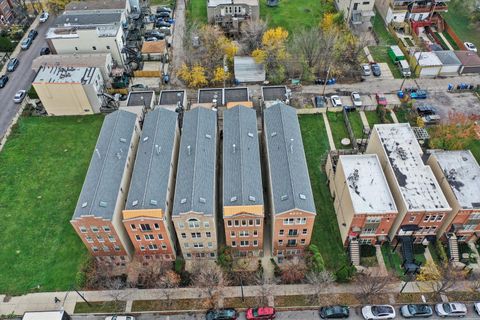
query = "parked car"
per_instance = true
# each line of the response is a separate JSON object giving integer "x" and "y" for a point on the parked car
{"x": 19, "y": 96}
{"x": 418, "y": 94}
{"x": 334, "y": 312}
{"x": 376, "y": 70}
{"x": 366, "y": 71}
{"x": 138, "y": 87}
{"x": 161, "y": 23}
{"x": 120, "y": 318}
{"x": 426, "y": 110}
{"x": 451, "y": 309}
{"x": 163, "y": 9}
{"x": 33, "y": 34}
{"x": 431, "y": 119}
{"x": 336, "y": 101}
{"x": 320, "y": 101}
{"x": 378, "y": 312}
{"x": 381, "y": 99}
{"x": 165, "y": 30}
{"x": 416, "y": 311}
{"x": 3, "y": 80}
{"x": 470, "y": 46}
{"x": 44, "y": 16}
{"x": 44, "y": 51}
{"x": 162, "y": 14}
{"x": 26, "y": 43}
{"x": 260, "y": 313}
{"x": 12, "y": 64}
{"x": 476, "y": 306}
{"x": 150, "y": 39}
{"x": 222, "y": 314}
{"x": 356, "y": 99}
{"x": 155, "y": 34}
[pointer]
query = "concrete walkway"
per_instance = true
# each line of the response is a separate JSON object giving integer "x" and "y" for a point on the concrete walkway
{"x": 367, "y": 53}
{"x": 178, "y": 54}
{"x": 428, "y": 255}
{"x": 381, "y": 262}
{"x": 329, "y": 132}
{"x": 394, "y": 116}
{"x": 445, "y": 41}
{"x": 364, "y": 119}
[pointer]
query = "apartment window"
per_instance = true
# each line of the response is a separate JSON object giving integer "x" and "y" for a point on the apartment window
{"x": 210, "y": 245}
{"x": 355, "y": 6}
{"x": 186, "y": 245}
{"x": 258, "y": 222}
{"x": 108, "y": 47}
{"x": 280, "y": 242}
{"x": 250, "y": 222}
{"x": 106, "y": 249}
{"x": 208, "y": 234}
{"x": 244, "y": 243}
{"x": 212, "y": 254}
{"x": 291, "y": 243}
{"x": 232, "y": 234}
{"x": 304, "y": 231}
{"x": 440, "y": 217}
{"x": 368, "y": 231}
{"x": 164, "y": 246}
{"x": 193, "y": 223}
{"x": 292, "y": 232}
{"x": 160, "y": 236}
{"x": 133, "y": 227}
{"x": 433, "y": 229}
{"x": 206, "y": 224}
{"x": 111, "y": 238}
{"x": 149, "y": 237}
{"x": 255, "y": 233}
{"x": 94, "y": 229}
{"x": 288, "y": 221}
{"x": 473, "y": 216}
{"x": 94, "y": 48}
{"x": 152, "y": 246}
{"x": 189, "y": 255}
{"x": 198, "y": 245}
{"x": 82, "y": 229}
{"x": 100, "y": 239}
{"x": 196, "y": 235}
{"x": 244, "y": 222}
{"x": 373, "y": 220}
{"x": 145, "y": 227}
{"x": 106, "y": 228}
{"x": 234, "y": 243}
{"x": 302, "y": 241}
{"x": 468, "y": 227}
{"x": 156, "y": 226}
{"x": 89, "y": 239}
{"x": 244, "y": 233}
{"x": 137, "y": 237}
{"x": 181, "y": 225}
{"x": 117, "y": 248}
{"x": 229, "y": 223}
{"x": 94, "y": 249}
{"x": 412, "y": 218}
{"x": 184, "y": 235}
{"x": 281, "y": 232}
{"x": 426, "y": 218}
{"x": 366, "y": 3}
{"x": 142, "y": 248}
{"x": 255, "y": 243}
{"x": 237, "y": 223}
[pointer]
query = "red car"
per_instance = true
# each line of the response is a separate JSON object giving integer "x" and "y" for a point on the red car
{"x": 381, "y": 99}
{"x": 261, "y": 313}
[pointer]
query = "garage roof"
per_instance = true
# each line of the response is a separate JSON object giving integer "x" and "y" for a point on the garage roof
{"x": 468, "y": 58}
{"x": 427, "y": 59}
{"x": 448, "y": 57}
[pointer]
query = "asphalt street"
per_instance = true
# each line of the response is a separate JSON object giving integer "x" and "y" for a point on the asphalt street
{"x": 21, "y": 78}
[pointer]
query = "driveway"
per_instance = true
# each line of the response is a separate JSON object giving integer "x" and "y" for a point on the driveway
{"x": 21, "y": 78}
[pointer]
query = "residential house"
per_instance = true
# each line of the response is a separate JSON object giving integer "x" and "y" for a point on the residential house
{"x": 147, "y": 216}
{"x": 290, "y": 194}
{"x": 98, "y": 214}
{"x": 458, "y": 174}
{"x": 66, "y": 91}
{"x": 357, "y": 13}
{"x": 229, "y": 14}
{"x": 364, "y": 205}
{"x": 194, "y": 209}
{"x": 243, "y": 206}
{"x": 405, "y": 10}
{"x": 421, "y": 205}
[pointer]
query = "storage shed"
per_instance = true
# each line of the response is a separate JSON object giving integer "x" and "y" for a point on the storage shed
{"x": 395, "y": 53}
{"x": 247, "y": 70}
{"x": 450, "y": 63}
{"x": 470, "y": 61}
{"x": 427, "y": 64}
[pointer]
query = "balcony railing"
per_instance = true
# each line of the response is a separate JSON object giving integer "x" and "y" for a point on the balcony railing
{"x": 421, "y": 9}
{"x": 293, "y": 235}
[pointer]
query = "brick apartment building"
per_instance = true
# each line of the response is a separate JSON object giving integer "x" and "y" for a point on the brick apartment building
{"x": 6, "y": 12}
{"x": 363, "y": 202}
{"x": 147, "y": 215}
{"x": 290, "y": 193}
{"x": 194, "y": 209}
{"x": 421, "y": 205}
{"x": 458, "y": 174}
{"x": 243, "y": 207}
{"x": 98, "y": 215}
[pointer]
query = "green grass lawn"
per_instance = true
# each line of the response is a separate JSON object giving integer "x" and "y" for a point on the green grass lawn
{"x": 325, "y": 232}
{"x": 42, "y": 169}
{"x": 393, "y": 261}
{"x": 196, "y": 11}
{"x": 356, "y": 123}
{"x": 383, "y": 34}
{"x": 451, "y": 41}
{"x": 457, "y": 18}
{"x": 475, "y": 148}
{"x": 380, "y": 54}
{"x": 168, "y": 3}
{"x": 372, "y": 118}
{"x": 339, "y": 130}
{"x": 442, "y": 43}
{"x": 295, "y": 14}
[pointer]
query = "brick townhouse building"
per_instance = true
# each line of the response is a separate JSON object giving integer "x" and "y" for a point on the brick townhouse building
{"x": 147, "y": 214}
{"x": 458, "y": 174}
{"x": 98, "y": 215}
{"x": 422, "y": 206}
{"x": 194, "y": 209}
{"x": 243, "y": 207}
{"x": 290, "y": 194}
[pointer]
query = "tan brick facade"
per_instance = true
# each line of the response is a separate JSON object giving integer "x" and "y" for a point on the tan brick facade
{"x": 197, "y": 235}
{"x": 244, "y": 234}
{"x": 292, "y": 232}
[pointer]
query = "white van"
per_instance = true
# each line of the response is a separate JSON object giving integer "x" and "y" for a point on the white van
{"x": 46, "y": 315}
{"x": 404, "y": 68}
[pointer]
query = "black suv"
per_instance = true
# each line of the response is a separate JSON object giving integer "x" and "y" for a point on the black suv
{"x": 45, "y": 51}
{"x": 222, "y": 314}
{"x": 32, "y": 34}
{"x": 3, "y": 80}
{"x": 154, "y": 34}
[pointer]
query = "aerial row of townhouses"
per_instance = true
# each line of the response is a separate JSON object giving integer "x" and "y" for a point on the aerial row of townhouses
{"x": 153, "y": 191}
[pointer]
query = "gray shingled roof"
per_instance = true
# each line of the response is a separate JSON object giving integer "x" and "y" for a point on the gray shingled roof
{"x": 149, "y": 185}
{"x": 242, "y": 176}
{"x": 102, "y": 183}
{"x": 196, "y": 171}
{"x": 290, "y": 181}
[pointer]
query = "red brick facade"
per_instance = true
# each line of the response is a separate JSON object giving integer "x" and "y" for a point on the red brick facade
{"x": 371, "y": 229}
{"x": 466, "y": 224}
{"x": 428, "y": 224}
{"x": 244, "y": 234}
{"x": 292, "y": 232}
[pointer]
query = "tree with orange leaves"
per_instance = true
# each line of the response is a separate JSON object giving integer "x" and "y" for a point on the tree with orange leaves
{"x": 455, "y": 133}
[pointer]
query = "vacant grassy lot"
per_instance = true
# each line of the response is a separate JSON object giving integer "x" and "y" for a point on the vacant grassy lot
{"x": 196, "y": 11}
{"x": 339, "y": 130}
{"x": 383, "y": 34}
{"x": 325, "y": 233}
{"x": 356, "y": 123}
{"x": 295, "y": 14}
{"x": 42, "y": 169}
{"x": 373, "y": 118}
{"x": 458, "y": 18}
{"x": 380, "y": 54}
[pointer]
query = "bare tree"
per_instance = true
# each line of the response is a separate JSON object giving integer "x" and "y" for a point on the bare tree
{"x": 293, "y": 271}
{"x": 371, "y": 284}
{"x": 320, "y": 281}
{"x": 264, "y": 288}
{"x": 448, "y": 277}
{"x": 251, "y": 35}
{"x": 307, "y": 43}
{"x": 210, "y": 277}
{"x": 169, "y": 280}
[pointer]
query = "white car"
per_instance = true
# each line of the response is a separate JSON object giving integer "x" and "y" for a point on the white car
{"x": 336, "y": 102}
{"x": 44, "y": 16}
{"x": 470, "y": 46}
{"x": 378, "y": 312}
{"x": 366, "y": 70}
{"x": 19, "y": 96}
{"x": 120, "y": 318}
{"x": 451, "y": 309}
{"x": 356, "y": 99}
{"x": 476, "y": 306}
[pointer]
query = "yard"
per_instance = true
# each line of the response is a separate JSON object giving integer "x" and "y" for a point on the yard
{"x": 196, "y": 11}
{"x": 339, "y": 130}
{"x": 356, "y": 123}
{"x": 383, "y": 34}
{"x": 458, "y": 18}
{"x": 393, "y": 261}
{"x": 295, "y": 14}
{"x": 42, "y": 169}
{"x": 325, "y": 233}
{"x": 380, "y": 54}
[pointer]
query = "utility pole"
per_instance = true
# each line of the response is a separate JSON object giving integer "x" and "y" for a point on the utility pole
{"x": 325, "y": 85}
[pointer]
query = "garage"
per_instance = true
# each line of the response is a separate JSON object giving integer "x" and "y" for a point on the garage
{"x": 450, "y": 63}
{"x": 427, "y": 65}
{"x": 470, "y": 61}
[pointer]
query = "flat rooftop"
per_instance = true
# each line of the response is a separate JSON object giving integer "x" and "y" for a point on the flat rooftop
{"x": 273, "y": 93}
{"x": 367, "y": 184}
{"x": 140, "y": 98}
{"x": 208, "y": 95}
{"x": 171, "y": 97}
{"x": 95, "y": 5}
{"x": 463, "y": 175}
{"x": 72, "y": 60}
{"x": 236, "y": 95}
{"x": 91, "y": 19}
{"x": 418, "y": 185}
{"x": 57, "y": 74}
{"x": 426, "y": 59}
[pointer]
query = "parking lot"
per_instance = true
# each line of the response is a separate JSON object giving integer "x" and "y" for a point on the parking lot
{"x": 445, "y": 102}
